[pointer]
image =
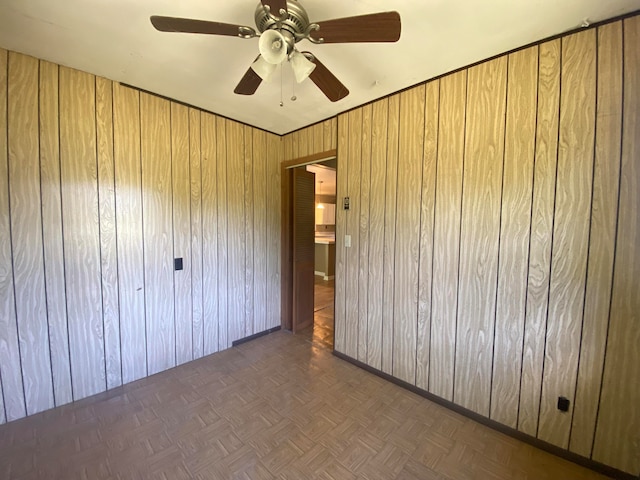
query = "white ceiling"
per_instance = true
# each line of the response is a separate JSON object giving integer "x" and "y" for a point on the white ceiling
{"x": 114, "y": 39}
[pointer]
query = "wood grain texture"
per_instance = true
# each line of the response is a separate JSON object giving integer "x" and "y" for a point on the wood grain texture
{"x": 181, "y": 231}
{"x": 108, "y": 236}
{"x": 235, "y": 226}
{"x": 427, "y": 216}
{"x": 330, "y": 136}
{"x": 570, "y": 233}
{"x": 274, "y": 224}
{"x": 126, "y": 154}
{"x": 479, "y": 235}
{"x": 541, "y": 231}
{"x": 304, "y": 145}
{"x": 380, "y": 112}
{"x": 287, "y": 145}
{"x": 618, "y": 429}
{"x": 249, "y": 248}
{"x": 602, "y": 237}
{"x": 318, "y": 137}
{"x": 352, "y": 224}
{"x": 52, "y": 231}
{"x": 155, "y": 138}
{"x": 223, "y": 234}
{"x": 341, "y": 230}
{"x": 195, "y": 175}
{"x": 81, "y": 214}
{"x": 515, "y": 228}
{"x": 260, "y": 239}
{"x": 389, "y": 246}
{"x": 26, "y": 232}
{"x": 10, "y": 372}
{"x": 363, "y": 235}
{"x": 209, "y": 233}
{"x": 446, "y": 234}
{"x": 407, "y": 226}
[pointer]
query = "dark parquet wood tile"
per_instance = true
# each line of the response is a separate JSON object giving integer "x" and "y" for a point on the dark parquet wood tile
{"x": 279, "y": 407}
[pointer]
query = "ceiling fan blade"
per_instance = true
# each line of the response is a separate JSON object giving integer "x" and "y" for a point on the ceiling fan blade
{"x": 189, "y": 25}
{"x": 326, "y": 81}
{"x": 275, "y": 6}
{"x": 249, "y": 83}
{"x": 375, "y": 27}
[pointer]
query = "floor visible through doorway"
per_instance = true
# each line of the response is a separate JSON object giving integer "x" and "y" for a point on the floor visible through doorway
{"x": 321, "y": 333}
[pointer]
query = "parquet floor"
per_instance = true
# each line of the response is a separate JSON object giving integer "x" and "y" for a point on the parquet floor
{"x": 321, "y": 333}
{"x": 279, "y": 407}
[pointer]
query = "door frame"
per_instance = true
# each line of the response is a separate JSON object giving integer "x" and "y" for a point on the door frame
{"x": 286, "y": 257}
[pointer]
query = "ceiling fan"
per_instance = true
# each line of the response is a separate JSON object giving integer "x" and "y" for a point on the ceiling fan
{"x": 281, "y": 25}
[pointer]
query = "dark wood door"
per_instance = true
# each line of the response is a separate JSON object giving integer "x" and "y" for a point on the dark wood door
{"x": 303, "y": 247}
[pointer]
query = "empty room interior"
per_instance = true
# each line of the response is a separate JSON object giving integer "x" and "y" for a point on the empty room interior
{"x": 394, "y": 245}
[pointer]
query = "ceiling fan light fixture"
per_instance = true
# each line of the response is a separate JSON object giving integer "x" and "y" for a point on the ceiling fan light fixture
{"x": 263, "y": 68}
{"x": 301, "y": 66}
{"x": 273, "y": 46}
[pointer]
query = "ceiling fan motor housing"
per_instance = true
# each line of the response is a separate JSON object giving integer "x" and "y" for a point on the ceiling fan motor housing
{"x": 296, "y": 21}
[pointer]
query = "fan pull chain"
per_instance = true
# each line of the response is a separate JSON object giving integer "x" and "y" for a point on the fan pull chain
{"x": 293, "y": 89}
{"x": 281, "y": 102}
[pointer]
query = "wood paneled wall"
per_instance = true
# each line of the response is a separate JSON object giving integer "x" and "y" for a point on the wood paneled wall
{"x": 494, "y": 228}
{"x": 101, "y": 187}
{"x": 316, "y": 138}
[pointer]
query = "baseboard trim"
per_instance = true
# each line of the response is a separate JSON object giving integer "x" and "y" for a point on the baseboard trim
{"x": 240, "y": 341}
{"x": 542, "y": 445}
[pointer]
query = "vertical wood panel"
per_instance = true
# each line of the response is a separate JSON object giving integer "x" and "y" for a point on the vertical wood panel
{"x": 380, "y": 112}
{"x": 405, "y": 301}
{"x": 389, "y": 247}
{"x": 446, "y": 235}
{"x": 296, "y": 151}
{"x": 540, "y": 241}
{"x": 157, "y": 225}
{"x": 329, "y": 134}
{"x": 126, "y": 151}
{"x": 479, "y": 235}
{"x": 363, "y": 235}
{"x": 235, "y": 179}
{"x": 618, "y": 430}
{"x": 223, "y": 230}
{"x": 249, "y": 327}
{"x": 288, "y": 146}
{"x": 273, "y": 204}
{"x": 514, "y": 234}
{"x": 570, "y": 233}
{"x": 26, "y": 231}
{"x": 52, "y": 233}
{"x": 341, "y": 229}
{"x": 181, "y": 230}
{"x": 80, "y": 213}
{"x": 260, "y": 239}
{"x": 427, "y": 215}
{"x": 318, "y": 138}
{"x": 352, "y": 223}
{"x": 195, "y": 175}
{"x": 209, "y": 233}
{"x": 108, "y": 240}
{"x": 602, "y": 237}
{"x": 10, "y": 370}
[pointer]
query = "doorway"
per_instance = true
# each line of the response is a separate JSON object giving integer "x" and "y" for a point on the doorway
{"x": 313, "y": 320}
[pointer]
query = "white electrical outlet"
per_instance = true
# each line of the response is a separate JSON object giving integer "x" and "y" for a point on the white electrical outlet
{"x": 347, "y": 241}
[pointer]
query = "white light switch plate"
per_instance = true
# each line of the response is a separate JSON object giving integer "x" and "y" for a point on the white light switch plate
{"x": 347, "y": 241}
